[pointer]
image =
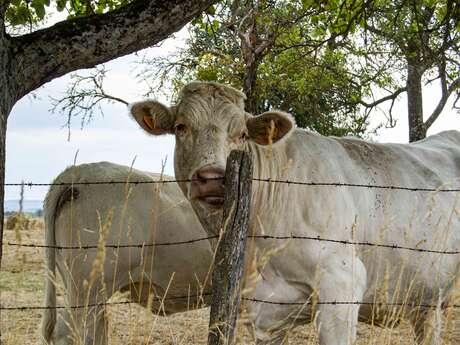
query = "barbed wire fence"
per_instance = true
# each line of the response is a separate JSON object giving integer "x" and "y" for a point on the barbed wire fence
{"x": 392, "y": 246}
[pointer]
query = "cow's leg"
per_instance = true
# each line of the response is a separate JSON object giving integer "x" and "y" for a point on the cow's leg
{"x": 272, "y": 322}
{"x": 80, "y": 327}
{"x": 342, "y": 280}
{"x": 87, "y": 324}
{"x": 427, "y": 327}
{"x": 267, "y": 330}
{"x": 62, "y": 334}
{"x": 96, "y": 330}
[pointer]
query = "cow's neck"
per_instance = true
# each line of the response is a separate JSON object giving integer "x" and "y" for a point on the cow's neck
{"x": 269, "y": 163}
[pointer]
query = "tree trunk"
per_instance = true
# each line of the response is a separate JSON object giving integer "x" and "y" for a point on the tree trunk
{"x": 417, "y": 130}
{"x": 249, "y": 86}
{"x": 6, "y": 103}
{"x": 3, "y": 119}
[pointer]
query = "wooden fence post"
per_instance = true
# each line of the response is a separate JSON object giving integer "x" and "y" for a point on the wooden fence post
{"x": 229, "y": 262}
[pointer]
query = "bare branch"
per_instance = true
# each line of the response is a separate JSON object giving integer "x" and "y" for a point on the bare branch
{"x": 456, "y": 106}
{"x": 392, "y": 97}
{"x": 446, "y": 92}
{"x": 84, "y": 96}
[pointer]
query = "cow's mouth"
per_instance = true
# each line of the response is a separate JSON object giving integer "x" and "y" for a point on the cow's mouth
{"x": 213, "y": 201}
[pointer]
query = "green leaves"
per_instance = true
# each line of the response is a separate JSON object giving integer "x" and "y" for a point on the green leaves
{"x": 314, "y": 85}
{"x": 21, "y": 12}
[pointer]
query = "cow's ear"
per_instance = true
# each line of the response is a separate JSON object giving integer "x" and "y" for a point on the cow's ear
{"x": 270, "y": 127}
{"x": 154, "y": 117}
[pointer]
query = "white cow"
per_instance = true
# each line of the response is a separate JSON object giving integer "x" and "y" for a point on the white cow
{"x": 119, "y": 214}
{"x": 209, "y": 121}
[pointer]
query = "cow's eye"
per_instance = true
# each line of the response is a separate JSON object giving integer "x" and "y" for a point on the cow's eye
{"x": 180, "y": 128}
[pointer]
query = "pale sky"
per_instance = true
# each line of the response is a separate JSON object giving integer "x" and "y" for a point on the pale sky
{"x": 38, "y": 150}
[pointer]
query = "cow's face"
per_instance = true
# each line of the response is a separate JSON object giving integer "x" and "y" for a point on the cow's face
{"x": 209, "y": 121}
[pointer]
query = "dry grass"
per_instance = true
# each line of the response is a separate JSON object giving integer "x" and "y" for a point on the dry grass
{"x": 22, "y": 283}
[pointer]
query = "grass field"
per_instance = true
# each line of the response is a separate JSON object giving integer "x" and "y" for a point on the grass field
{"x": 22, "y": 283}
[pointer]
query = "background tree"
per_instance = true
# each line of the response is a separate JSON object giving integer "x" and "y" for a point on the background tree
{"x": 426, "y": 38}
{"x": 330, "y": 63}
{"x": 417, "y": 42}
{"x": 280, "y": 55}
{"x": 116, "y": 28}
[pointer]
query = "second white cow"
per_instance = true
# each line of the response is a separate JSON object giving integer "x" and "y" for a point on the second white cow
{"x": 118, "y": 214}
{"x": 209, "y": 121}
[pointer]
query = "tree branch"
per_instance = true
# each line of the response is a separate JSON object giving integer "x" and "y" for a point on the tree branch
{"x": 446, "y": 92}
{"x": 84, "y": 97}
{"x": 85, "y": 42}
{"x": 393, "y": 96}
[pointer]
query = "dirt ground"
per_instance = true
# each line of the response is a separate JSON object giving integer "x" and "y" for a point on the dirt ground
{"x": 22, "y": 283}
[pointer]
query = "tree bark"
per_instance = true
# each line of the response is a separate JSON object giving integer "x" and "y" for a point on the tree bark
{"x": 6, "y": 103}
{"x": 249, "y": 86}
{"x": 3, "y": 120}
{"x": 417, "y": 130}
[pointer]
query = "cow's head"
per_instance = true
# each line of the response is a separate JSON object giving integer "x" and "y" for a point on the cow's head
{"x": 209, "y": 121}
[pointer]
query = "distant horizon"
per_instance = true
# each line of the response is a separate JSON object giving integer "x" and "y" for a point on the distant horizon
{"x": 32, "y": 205}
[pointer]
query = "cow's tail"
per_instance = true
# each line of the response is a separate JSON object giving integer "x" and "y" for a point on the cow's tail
{"x": 55, "y": 198}
{"x": 49, "y": 313}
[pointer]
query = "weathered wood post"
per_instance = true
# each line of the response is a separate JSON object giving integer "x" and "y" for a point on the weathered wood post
{"x": 229, "y": 262}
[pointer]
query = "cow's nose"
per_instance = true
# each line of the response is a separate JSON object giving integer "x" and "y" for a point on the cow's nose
{"x": 208, "y": 186}
{"x": 207, "y": 174}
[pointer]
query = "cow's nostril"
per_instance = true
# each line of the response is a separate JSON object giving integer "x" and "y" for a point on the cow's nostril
{"x": 207, "y": 174}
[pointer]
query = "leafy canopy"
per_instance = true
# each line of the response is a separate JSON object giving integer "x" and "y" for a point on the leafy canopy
{"x": 26, "y": 12}
{"x": 301, "y": 70}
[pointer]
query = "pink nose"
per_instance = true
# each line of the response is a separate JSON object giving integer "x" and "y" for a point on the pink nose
{"x": 208, "y": 186}
{"x": 209, "y": 173}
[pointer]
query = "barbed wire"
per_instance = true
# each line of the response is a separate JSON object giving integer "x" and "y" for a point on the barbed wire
{"x": 92, "y": 305}
{"x": 115, "y": 246}
{"x": 264, "y": 237}
{"x": 358, "y": 185}
{"x": 247, "y": 299}
{"x": 89, "y": 183}
{"x": 267, "y": 180}
{"x": 357, "y": 243}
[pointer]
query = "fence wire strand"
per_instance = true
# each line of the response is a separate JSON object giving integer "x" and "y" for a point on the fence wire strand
{"x": 263, "y": 237}
{"x": 247, "y": 299}
{"x": 267, "y": 180}
{"x": 114, "y": 246}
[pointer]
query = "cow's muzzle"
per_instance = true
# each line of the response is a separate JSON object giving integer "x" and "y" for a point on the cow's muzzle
{"x": 208, "y": 186}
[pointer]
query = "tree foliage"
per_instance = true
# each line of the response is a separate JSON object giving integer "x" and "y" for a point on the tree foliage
{"x": 425, "y": 39}
{"x": 412, "y": 42}
{"x": 330, "y": 63}
{"x": 280, "y": 55}
{"x": 26, "y": 12}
